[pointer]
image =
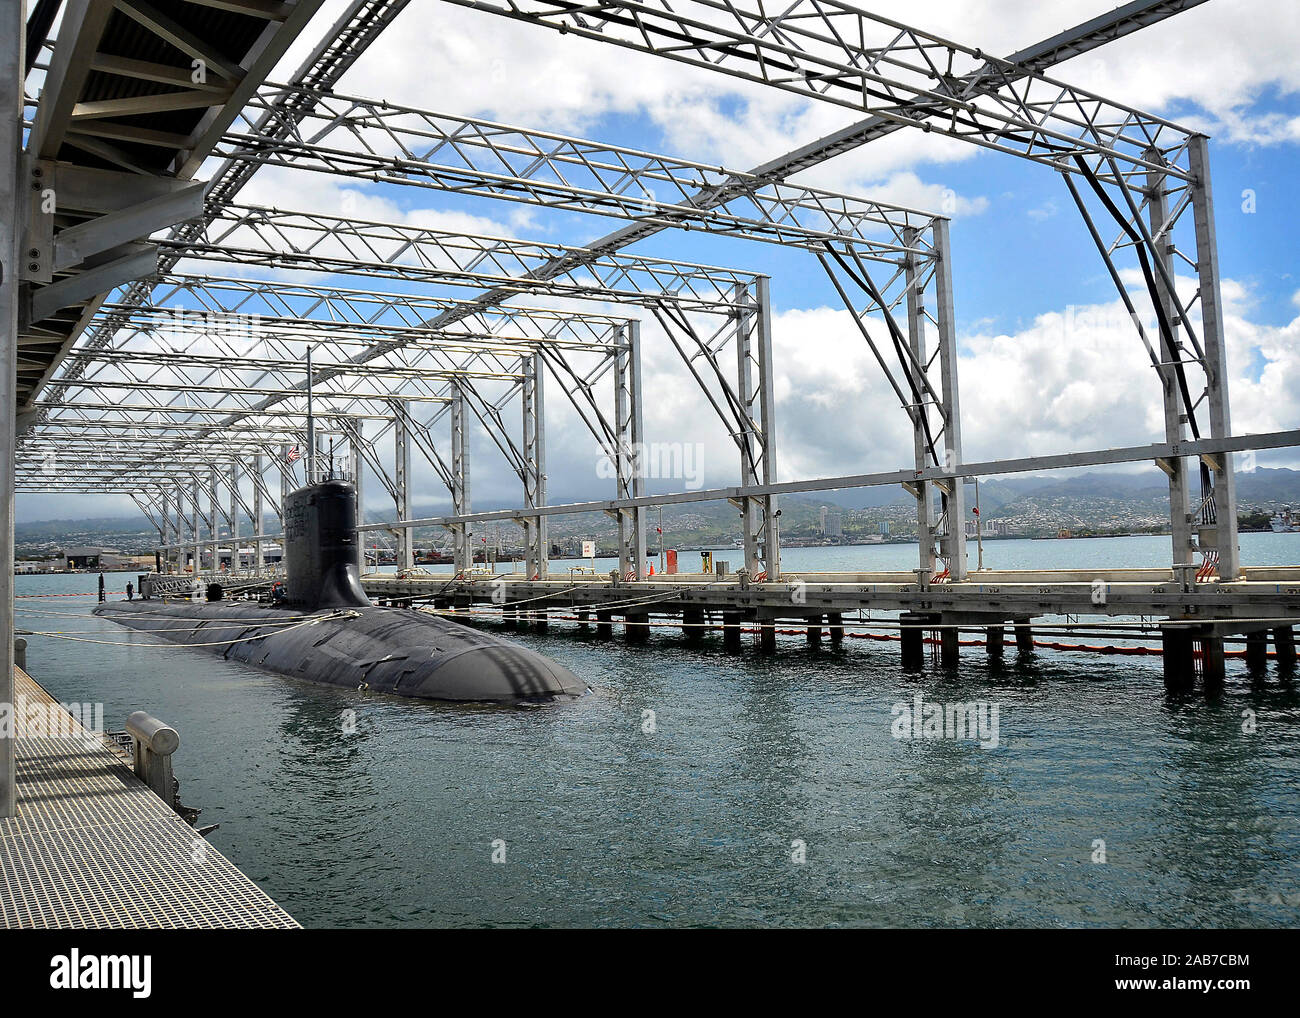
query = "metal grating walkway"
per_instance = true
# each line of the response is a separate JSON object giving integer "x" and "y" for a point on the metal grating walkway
{"x": 93, "y": 848}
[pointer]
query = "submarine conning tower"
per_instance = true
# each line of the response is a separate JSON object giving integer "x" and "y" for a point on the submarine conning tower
{"x": 322, "y": 554}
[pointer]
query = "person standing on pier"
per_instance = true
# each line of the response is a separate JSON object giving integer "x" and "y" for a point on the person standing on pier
{"x": 130, "y": 591}
{"x": 101, "y": 588}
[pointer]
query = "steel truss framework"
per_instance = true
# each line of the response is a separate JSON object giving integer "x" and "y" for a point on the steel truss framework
{"x": 216, "y": 393}
{"x": 1140, "y": 173}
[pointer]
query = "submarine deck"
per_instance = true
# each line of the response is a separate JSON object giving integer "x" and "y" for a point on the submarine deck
{"x": 92, "y": 847}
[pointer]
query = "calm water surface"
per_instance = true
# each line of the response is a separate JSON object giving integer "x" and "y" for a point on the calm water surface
{"x": 693, "y": 824}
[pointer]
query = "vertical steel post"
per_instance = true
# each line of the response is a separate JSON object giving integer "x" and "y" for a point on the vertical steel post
{"x": 197, "y": 534}
{"x": 629, "y": 464}
{"x": 402, "y": 483}
{"x": 462, "y": 536}
{"x": 757, "y": 437}
{"x": 767, "y": 407}
{"x": 953, "y": 494}
{"x": 12, "y": 35}
{"x": 214, "y": 514}
{"x": 925, "y": 523}
{"x": 356, "y": 463}
{"x": 945, "y": 319}
{"x": 1180, "y": 512}
{"x": 1216, "y": 357}
{"x": 309, "y": 462}
{"x": 534, "y": 405}
{"x": 179, "y": 550}
{"x": 285, "y": 488}
{"x": 234, "y": 517}
{"x": 748, "y": 436}
{"x": 259, "y": 510}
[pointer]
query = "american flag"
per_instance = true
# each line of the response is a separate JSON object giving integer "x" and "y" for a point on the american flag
{"x": 294, "y": 455}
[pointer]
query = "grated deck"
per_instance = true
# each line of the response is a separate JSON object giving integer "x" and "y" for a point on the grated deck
{"x": 92, "y": 847}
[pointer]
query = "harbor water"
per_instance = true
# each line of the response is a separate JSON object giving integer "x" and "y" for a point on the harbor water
{"x": 697, "y": 788}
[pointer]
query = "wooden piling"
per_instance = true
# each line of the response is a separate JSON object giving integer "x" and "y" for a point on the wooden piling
{"x": 814, "y": 630}
{"x": 995, "y": 641}
{"x": 836, "y": 625}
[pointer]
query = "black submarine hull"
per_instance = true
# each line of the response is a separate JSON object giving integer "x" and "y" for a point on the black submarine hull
{"x": 389, "y": 650}
{"x": 325, "y": 629}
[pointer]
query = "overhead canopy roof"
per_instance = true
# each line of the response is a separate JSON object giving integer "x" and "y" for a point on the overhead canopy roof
{"x": 135, "y": 97}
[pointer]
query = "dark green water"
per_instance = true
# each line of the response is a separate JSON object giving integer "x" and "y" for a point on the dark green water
{"x": 693, "y": 824}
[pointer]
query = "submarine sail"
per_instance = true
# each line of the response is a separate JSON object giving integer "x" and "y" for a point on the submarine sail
{"x": 326, "y": 629}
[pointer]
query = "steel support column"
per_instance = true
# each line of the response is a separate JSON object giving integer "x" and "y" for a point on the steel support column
{"x": 12, "y": 33}
{"x": 757, "y": 437}
{"x": 259, "y": 523}
{"x": 630, "y": 465}
{"x": 925, "y": 521}
{"x": 179, "y": 550}
{"x": 1180, "y": 511}
{"x": 197, "y": 531}
{"x": 535, "y": 547}
{"x": 286, "y": 483}
{"x": 234, "y": 517}
{"x": 1216, "y": 358}
{"x": 953, "y": 493}
{"x": 402, "y": 486}
{"x": 214, "y": 514}
{"x": 462, "y": 533}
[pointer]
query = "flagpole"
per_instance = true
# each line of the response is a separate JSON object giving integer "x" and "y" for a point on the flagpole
{"x": 311, "y": 425}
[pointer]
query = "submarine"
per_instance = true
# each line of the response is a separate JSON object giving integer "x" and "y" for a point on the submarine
{"x": 326, "y": 630}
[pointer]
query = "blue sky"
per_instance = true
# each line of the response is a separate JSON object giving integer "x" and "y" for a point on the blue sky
{"x": 1022, "y": 259}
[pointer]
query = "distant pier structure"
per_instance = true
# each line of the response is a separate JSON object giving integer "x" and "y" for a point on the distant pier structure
{"x": 245, "y": 350}
{"x": 1127, "y": 611}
